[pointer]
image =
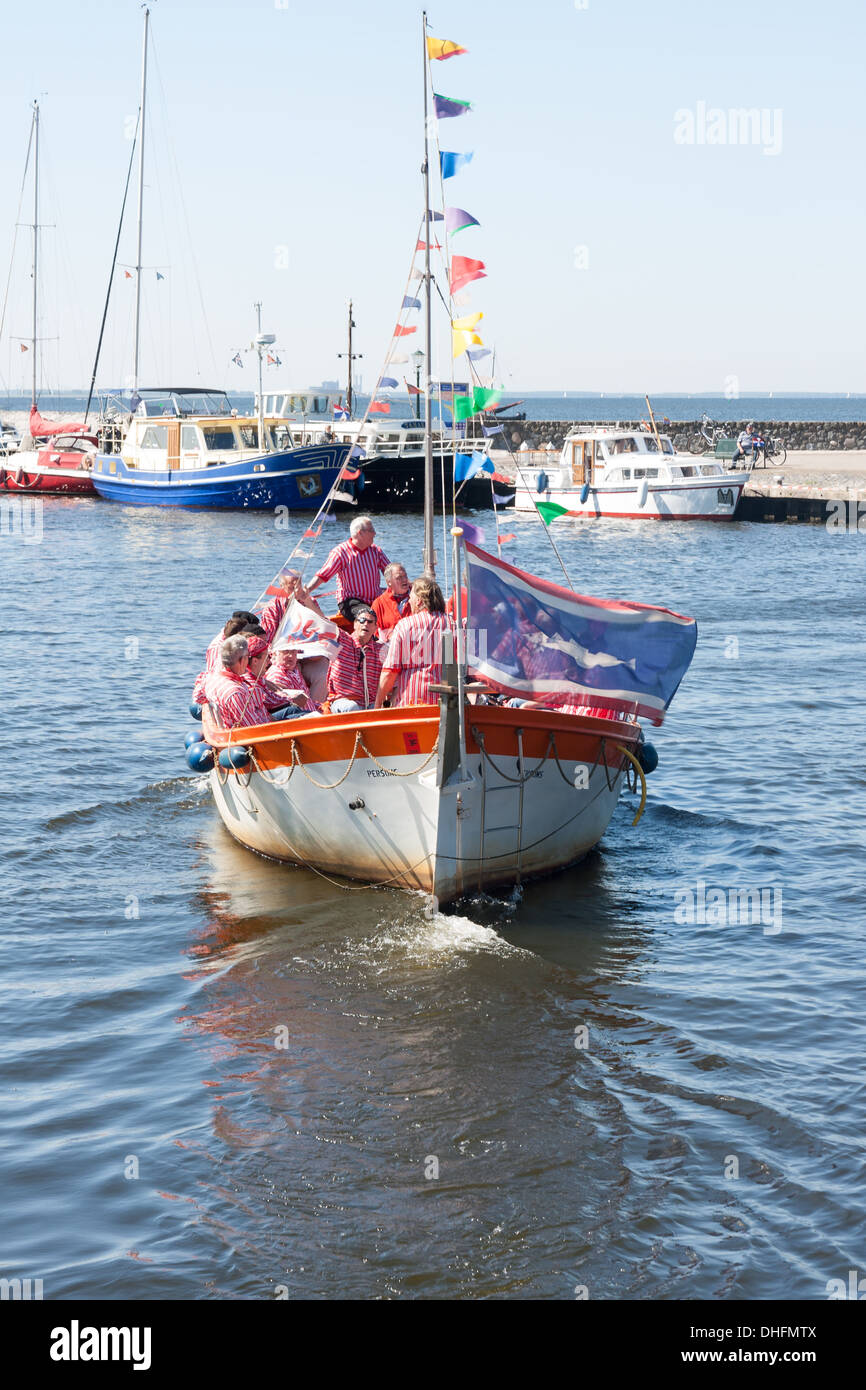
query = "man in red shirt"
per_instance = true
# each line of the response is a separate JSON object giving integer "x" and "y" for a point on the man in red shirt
{"x": 353, "y": 675}
{"x": 393, "y": 605}
{"x": 357, "y": 564}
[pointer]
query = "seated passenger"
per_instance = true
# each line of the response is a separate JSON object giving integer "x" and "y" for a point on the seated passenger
{"x": 393, "y": 604}
{"x": 413, "y": 661}
{"x": 353, "y": 675}
{"x": 236, "y": 701}
{"x": 285, "y": 677}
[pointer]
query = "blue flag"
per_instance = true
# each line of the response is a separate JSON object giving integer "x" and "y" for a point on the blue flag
{"x": 467, "y": 465}
{"x": 543, "y": 640}
{"x": 386, "y": 381}
{"x": 410, "y": 303}
{"x": 450, "y": 161}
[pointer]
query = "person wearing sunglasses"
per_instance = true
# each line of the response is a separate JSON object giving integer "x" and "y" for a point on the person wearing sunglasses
{"x": 353, "y": 675}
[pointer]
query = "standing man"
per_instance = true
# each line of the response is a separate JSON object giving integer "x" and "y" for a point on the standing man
{"x": 357, "y": 564}
{"x": 393, "y": 605}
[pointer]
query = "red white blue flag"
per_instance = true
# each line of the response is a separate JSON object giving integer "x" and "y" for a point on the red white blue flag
{"x": 542, "y": 642}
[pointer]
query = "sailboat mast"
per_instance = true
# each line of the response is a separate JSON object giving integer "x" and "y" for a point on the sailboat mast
{"x": 35, "y": 243}
{"x": 349, "y": 378}
{"x": 429, "y": 553}
{"x": 140, "y": 202}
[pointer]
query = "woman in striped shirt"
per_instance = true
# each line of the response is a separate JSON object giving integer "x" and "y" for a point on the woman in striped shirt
{"x": 414, "y": 659}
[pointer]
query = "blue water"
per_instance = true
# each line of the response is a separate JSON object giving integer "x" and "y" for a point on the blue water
{"x": 570, "y": 406}
{"x": 157, "y": 1144}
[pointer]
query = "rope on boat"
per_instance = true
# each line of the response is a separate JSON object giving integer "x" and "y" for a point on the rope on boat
{"x": 640, "y": 772}
{"x": 522, "y": 777}
{"x": 391, "y": 771}
{"x": 327, "y": 786}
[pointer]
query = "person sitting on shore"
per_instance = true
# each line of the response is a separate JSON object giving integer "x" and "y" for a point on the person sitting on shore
{"x": 353, "y": 675}
{"x": 285, "y": 677}
{"x": 415, "y": 653}
{"x": 746, "y": 441}
{"x": 393, "y": 604}
{"x": 357, "y": 564}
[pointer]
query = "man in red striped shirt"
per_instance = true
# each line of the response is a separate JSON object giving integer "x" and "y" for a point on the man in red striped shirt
{"x": 353, "y": 675}
{"x": 393, "y": 605}
{"x": 414, "y": 658}
{"x": 285, "y": 677}
{"x": 357, "y": 564}
{"x": 237, "y": 697}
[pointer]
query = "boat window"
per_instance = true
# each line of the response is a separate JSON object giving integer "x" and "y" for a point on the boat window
{"x": 625, "y": 474}
{"x": 219, "y": 439}
{"x": 710, "y": 470}
{"x": 249, "y": 437}
{"x": 624, "y": 446}
{"x": 667, "y": 446}
{"x": 687, "y": 470}
{"x": 281, "y": 437}
{"x": 600, "y": 451}
{"x": 652, "y": 472}
{"x": 320, "y": 405}
{"x": 640, "y": 472}
{"x": 651, "y": 445}
{"x": 155, "y": 437}
{"x": 188, "y": 437}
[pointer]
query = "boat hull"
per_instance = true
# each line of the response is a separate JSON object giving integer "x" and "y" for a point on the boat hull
{"x": 714, "y": 499}
{"x": 405, "y": 812}
{"x": 23, "y": 473}
{"x": 298, "y": 479}
{"x": 398, "y": 485}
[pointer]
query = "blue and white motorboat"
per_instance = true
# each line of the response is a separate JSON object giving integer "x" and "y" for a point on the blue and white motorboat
{"x": 187, "y": 447}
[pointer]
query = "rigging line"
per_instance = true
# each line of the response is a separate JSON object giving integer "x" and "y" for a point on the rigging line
{"x": 113, "y": 269}
{"x": 17, "y": 220}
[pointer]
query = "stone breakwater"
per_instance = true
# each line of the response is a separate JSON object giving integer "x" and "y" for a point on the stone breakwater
{"x": 795, "y": 434}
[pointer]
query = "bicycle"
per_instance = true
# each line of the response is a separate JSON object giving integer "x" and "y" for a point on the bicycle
{"x": 774, "y": 451}
{"x": 708, "y": 437}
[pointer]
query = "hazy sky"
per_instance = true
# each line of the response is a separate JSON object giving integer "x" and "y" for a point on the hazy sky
{"x": 627, "y": 248}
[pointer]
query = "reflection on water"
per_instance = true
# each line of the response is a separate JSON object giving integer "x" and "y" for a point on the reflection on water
{"x": 331, "y": 1089}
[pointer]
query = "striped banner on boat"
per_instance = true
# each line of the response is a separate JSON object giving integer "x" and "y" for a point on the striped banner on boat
{"x": 543, "y": 642}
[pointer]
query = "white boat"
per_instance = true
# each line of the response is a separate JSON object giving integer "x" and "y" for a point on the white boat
{"x": 613, "y": 472}
{"x": 10, "y": 438}
{"x": 459, "y": 796}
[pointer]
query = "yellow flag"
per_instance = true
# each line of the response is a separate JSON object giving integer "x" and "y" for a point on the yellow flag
{"x": 443, "y": 48}
{"x": 467, "y": 321}
{"x": 461, "y": 339}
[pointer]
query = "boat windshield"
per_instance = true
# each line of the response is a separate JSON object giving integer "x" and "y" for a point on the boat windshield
{"x": 180, "y": 403}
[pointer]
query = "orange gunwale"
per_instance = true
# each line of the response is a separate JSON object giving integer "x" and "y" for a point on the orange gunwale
{"x": 324, "y": 738}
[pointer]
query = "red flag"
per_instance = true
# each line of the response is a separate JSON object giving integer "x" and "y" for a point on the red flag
{"x": 350, "y": 474}
{"x": 127, "y": 274}
{"x": 464, "y": 269}
{"x": 401, "y": 332}
{"x": 24, "y": 347}
{"x": 509, "y": 536}
{"x": 422, "y": 246}
{"x": 413, "y": 390}
{"x": 307, "y": 533}
{"x": 380, "y": 408}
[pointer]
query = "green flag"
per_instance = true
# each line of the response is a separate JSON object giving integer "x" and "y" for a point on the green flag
{"x": 463, "y": 407}
{"x": 549, "y": 511}
{"x": 482, "y": 397}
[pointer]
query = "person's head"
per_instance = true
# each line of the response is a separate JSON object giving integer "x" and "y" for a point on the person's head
{"x": 233, "y": 626}
{"x": 397, "y": 579}
{"x": 362, "y": 532}
{"x": 364, "y": 628}
{"x": 234, "y": 654}
{"x": 244, "y": 613}
{"x": 426, "y": 596}
{"x": 252, "y": 630}
{"x": 286, "y": 657}
{"x": 257, "y": 648}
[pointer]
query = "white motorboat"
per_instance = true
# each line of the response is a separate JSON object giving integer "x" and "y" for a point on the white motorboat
{"x": 632, "y": 474}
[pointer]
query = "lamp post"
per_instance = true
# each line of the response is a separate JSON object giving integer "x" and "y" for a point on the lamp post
{"x": 418, "y": 358}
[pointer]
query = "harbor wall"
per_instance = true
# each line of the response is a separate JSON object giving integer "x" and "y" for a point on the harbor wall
{"x": 795, "y": 434}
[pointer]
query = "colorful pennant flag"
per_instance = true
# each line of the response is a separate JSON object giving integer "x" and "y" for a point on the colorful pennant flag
{"x": 492, "y": 429}
{"x": 274, "y": 361}
{"x": 450, "y": 161}
{"x": 401, "y": 331}
{"x": 463, "y": 407}
{"x": 238, "y": 359}
{"x": 483, "y": 399}
{"x": 413, "y": 390}
{"x": 422, "y": 246}
{"x": 474, "y": 535}
{"x": 159, "y": 277}
{"x": 461, "y": 339}
{"x": 380, "y": 408}
{"x": 433, "y": 216}
{"x": 127, "y": 274}
{"x": 410, "y": 303}
{"x": 456, "y": 219}
{"x": 464, "y": 270}
{"x": 340, "y": 412}
{"x": 467, "y": 465}
{"x": 350, "y": 474}
{"x": 439, "y": 49}
{"x": 24, "y": 347}
{"x": 387, "y": 381}
{"x": 468, "y": 320}
{"x": 449, "y": 106}
{"x": 509, "y": 536}
{"x": 475, "y": 354}
{"x": 549, "y": 511}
